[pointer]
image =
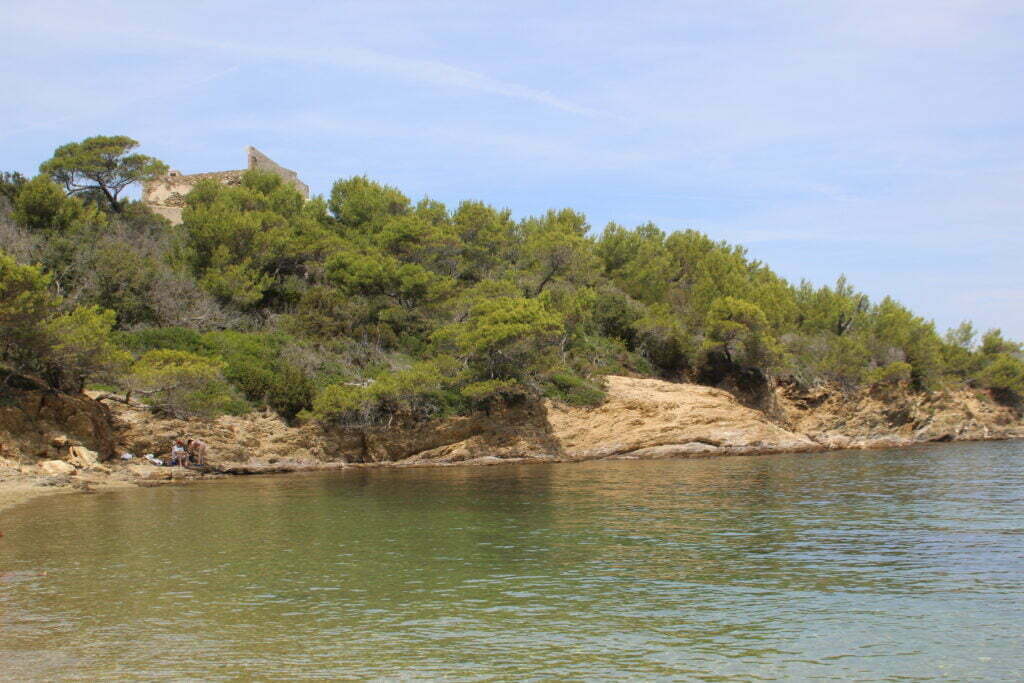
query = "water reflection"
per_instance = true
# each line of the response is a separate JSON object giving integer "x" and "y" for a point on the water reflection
{"x": 782, "y": 566}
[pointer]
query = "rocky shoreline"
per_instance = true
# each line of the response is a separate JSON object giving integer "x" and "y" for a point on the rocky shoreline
{"x": 59, "y": 443}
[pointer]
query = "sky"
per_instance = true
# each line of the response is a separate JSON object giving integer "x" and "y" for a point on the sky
{"x": 877, "y": 139}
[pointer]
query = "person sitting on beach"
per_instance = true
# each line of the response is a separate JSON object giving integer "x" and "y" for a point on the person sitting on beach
{"x": 179, "y": 454}
{"x": 197, "y": 450}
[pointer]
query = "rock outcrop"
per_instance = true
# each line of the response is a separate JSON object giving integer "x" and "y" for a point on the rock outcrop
{"x": 262, "y": 442}
{"x": 44, "y": 425}
{"x": 893, "y": 417}
{"x": 648, "y": 418}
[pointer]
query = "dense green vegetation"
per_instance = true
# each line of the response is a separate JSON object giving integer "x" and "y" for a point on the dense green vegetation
{"x": 365, "y": 307}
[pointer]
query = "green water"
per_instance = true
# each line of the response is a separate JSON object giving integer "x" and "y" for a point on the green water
{"x": 841, "y": 566}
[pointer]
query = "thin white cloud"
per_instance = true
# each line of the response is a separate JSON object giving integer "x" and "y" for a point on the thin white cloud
{"x": 85, "y": 28}
{"x": 110, "y": 105}
{"x": 420, "y": 70}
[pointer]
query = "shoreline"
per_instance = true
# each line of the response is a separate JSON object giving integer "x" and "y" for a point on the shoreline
{"x": 26, "y": 488}
{"x": 52, "y": 443}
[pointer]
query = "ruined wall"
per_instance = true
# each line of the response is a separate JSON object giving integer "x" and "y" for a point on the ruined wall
{"x": 259, "y": 160}
{"x": 166, "y": 195}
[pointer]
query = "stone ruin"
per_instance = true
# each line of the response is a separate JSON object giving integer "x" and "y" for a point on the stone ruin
{"x": 166, "y": 195}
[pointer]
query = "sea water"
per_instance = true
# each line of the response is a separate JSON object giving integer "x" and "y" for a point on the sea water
{"x": 845, "y": 566}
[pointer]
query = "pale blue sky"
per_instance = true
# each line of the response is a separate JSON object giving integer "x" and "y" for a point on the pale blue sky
{"x": 880, "y": 139}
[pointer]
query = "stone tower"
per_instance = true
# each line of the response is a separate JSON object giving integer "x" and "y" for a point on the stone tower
{"x": 166, "y": 195}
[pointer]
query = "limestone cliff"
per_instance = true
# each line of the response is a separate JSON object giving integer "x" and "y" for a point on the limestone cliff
{"x": 38, "y": 424}
{"x": 651, "y": 418}
{"x": 881, "y": 418}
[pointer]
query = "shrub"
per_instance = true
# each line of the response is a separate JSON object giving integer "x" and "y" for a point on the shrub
{"x": 1004, "y": 375}
{"x": 574, "y": 390}
{"x": 482, "y": 393}
{"x": 185, "y": 384}
{"x": 505, "y": 338}
{"x": 420, "y": 392}
{"x": 82, "y": 348}
{"x": 661, "y": 338}
{"x": 253, "y": 363}
{"x": 25, "y": 305}
{"x": 739, "y": 331}
{"x": 173, "y": 338}
{"x": 890, "y": 375}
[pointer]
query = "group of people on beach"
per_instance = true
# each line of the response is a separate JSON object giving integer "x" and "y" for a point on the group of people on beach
{"x": 188, "y": 452}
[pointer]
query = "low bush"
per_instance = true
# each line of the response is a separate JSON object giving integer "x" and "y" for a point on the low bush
{"x": 893, "y": 374}
{"x": 184, "y": 384}
{"x": 574, "y": 390}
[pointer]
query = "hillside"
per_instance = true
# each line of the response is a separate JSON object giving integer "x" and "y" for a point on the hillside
{"x": 364, "y": 307}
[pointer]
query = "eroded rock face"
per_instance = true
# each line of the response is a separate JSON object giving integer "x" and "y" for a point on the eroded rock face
{"x": 36, "y": 424}
{"x": 520, "y": 431}
{"x": 230, "y": 439}
{"x": 652, "y": 418}
{"x": 643, "y": 418}
{"x": 262, "y": 442}
{"x": 883, "y": 419}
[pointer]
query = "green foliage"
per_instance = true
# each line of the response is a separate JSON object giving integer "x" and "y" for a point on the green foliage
{"x": 662, "y": 338}
{"x": 417, "y": 393}
{"x": 40, "y": 205}
{"x": 360, "y": 204}
{"x": 958, "y": 352}
{"x": 555, "y": 250}
{"x": 25, "y": 307}
{"x": 11, "y": 184}
{"x": 101, "y": 164}
{"x": 739, "y": 331}
{"x": 82, "y": 348}
{"x": 962, "y": 336}
{"x": 184, "y": 384}
{"x": 616, "y": 315}
{"x": 66, "y": 349}
{"x": 899, "y": 335}
{"x": 120, "y": 278}
{"x": 254, "y": 364}
{"x": 375, "y": 274}
{"x": 841, "y": 360}
{"x": 169, "y": 338}
{"x": 570, "y": 388}
{"x": 893, "y": 374}
{"x": 839, "y": 310}
{"x": 1004, "y": 374}
{"x": 245, "y": 243}
{"x": 505, "y": 339}
{"x": 482, "y": 393}
{"x": 324, "y": 312}
{"x": 488, "y": 237}
{"x": 993, "y": 343}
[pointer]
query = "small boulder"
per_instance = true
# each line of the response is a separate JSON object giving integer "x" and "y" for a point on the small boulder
{"x": 82, "y": 457}
{"x": 56, "y": 467}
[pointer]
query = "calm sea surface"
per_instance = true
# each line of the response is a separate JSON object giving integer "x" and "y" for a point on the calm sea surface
{"x": 848, "y": 566}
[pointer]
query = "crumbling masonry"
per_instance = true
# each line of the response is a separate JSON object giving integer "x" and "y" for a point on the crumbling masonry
{"x": 166, "y": 195}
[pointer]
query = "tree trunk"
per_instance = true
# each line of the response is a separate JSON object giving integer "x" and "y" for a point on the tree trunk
{"x": 112, "y": 199}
